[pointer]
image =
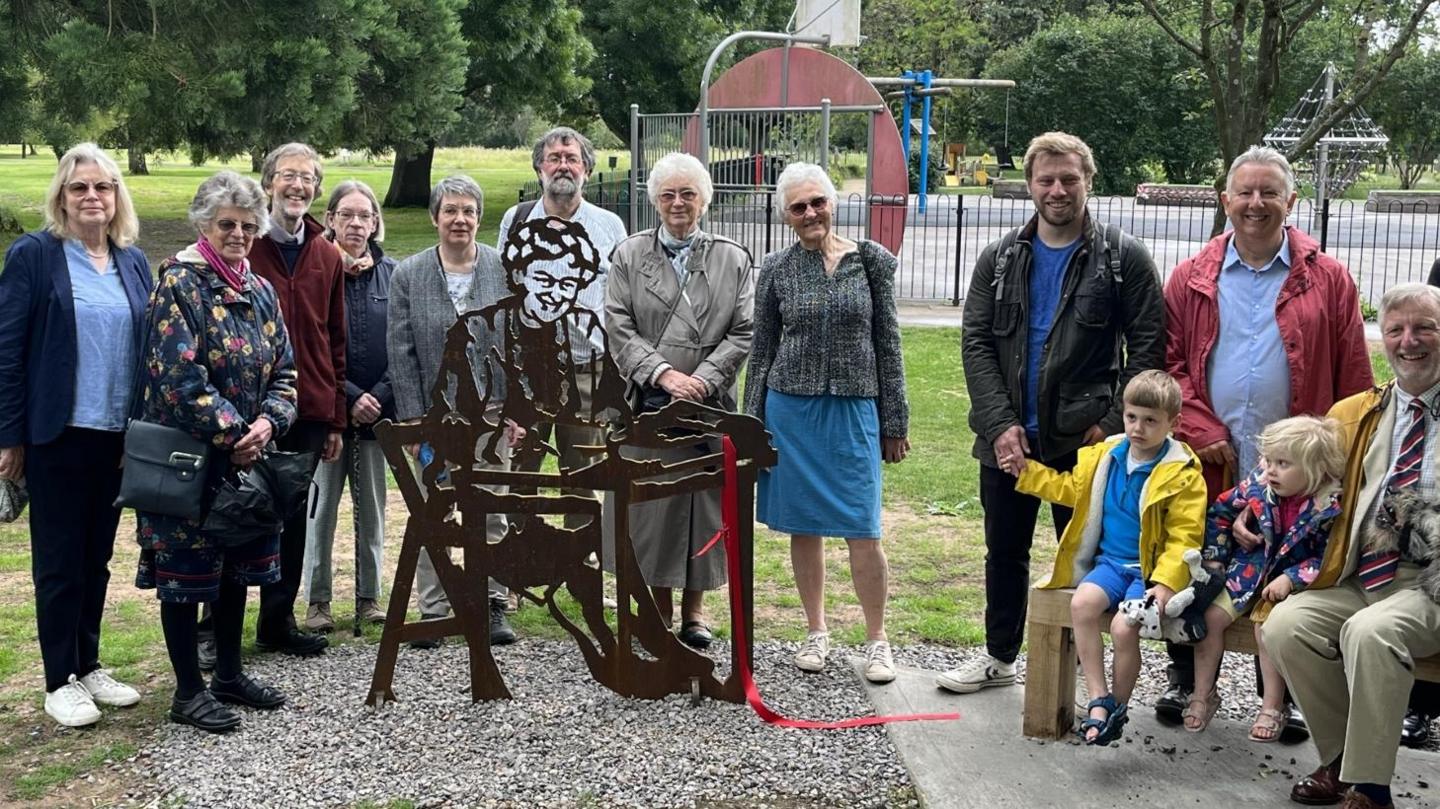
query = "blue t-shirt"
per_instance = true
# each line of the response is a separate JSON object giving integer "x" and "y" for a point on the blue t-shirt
{"x": 1047, "y": 276}
{"x": 1120, "y": 519}
{"x": 104, "y": 343}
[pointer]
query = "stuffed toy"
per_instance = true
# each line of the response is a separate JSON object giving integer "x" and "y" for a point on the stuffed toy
{"x": 1184, "y": 618}
{"x": 1417, "y": 527}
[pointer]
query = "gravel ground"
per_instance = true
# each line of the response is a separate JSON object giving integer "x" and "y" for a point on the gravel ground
{"x": 562, "y": 741}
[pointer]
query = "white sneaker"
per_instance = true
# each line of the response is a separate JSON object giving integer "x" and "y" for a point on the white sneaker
{"x": 106, "y": 690}
{"x": 71, "y": 705}
{"x": 879, "y": 666}
{"x": 987, "y": 672}
{"x": 813, "y": 652}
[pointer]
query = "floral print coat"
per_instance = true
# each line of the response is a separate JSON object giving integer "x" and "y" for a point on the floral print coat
{"x": 1296, "y": 554}
{"x": 217, "y": 360}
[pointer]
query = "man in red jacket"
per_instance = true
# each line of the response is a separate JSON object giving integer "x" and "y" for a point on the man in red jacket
{"x": 1260, "y": 326}
{"x": 308, "y": 275}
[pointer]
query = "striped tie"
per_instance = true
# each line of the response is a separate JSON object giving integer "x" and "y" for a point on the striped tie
{"x": 1377, "y": 568}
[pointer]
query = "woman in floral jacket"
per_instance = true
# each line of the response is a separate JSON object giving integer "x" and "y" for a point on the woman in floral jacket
{"x": 220, "y": 365}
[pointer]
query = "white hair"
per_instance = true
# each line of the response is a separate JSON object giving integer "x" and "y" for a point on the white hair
{"x": 1414, "y": 292}
{"x": 679, "y": 165}
{"x": 1265, "y": 156}
{"x": 797, "y": 174}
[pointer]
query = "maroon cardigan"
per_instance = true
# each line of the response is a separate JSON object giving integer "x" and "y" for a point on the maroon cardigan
{"x": 312, "y": 300}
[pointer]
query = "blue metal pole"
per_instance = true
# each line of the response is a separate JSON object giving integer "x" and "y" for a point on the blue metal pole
{"x": 905, "y": 115}
{"x": 925, "y": 78}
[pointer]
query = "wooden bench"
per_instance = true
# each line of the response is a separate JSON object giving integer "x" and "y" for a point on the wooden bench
{"x": 1050, "y": 663}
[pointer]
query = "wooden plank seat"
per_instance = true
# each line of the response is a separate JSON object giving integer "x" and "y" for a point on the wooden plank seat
{"x": 1050, "y": 663}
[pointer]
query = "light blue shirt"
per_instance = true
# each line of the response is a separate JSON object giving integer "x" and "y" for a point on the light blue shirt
{"x": 104, "y": 340}
{"x": 1120, "y": 514}
{"x": 1247, "y": 372}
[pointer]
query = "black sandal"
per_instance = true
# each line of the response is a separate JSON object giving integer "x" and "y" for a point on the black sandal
{"x": 244, "y": 691}
{"x": 203, "y": 711}
{"x": 696, "y": 635}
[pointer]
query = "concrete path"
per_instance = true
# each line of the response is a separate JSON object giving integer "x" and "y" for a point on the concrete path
{"x": 982, "y": 760}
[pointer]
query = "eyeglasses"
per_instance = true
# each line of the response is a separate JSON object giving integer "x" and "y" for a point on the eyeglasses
{"x": 228, "y": 225}
{"x": 557, "y": 159}
{"x": 295, "y": 176}
{"x": 363, "y": 217}
{"x": 818, "y": 203}
{"x": 456, "y": 210}
{"x": 80, "y": 188}
{"x": 685, "y": 194}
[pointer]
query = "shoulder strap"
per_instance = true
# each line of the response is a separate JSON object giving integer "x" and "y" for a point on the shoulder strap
{"x": 522, "y": 215}
{"x": 1111, "y": 250}
{"x": 1003, "y": 253}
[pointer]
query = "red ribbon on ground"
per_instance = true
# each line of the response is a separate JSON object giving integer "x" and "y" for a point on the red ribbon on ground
{"x": 729, "y": 530}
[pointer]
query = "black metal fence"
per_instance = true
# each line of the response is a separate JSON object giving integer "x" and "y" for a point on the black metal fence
{"x": 1381, "y": 247}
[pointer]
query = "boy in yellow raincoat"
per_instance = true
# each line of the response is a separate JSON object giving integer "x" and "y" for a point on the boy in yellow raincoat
{"x": 1139, "y": 501}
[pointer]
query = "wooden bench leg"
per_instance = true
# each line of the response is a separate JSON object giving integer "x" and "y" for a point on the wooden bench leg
{"x": 1050, "y": 682}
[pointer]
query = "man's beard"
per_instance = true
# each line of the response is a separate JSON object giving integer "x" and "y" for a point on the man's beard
{"x": 563, "y": 187}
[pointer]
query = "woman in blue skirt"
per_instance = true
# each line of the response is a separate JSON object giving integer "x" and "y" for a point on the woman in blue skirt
{"x": 826, "y": 377}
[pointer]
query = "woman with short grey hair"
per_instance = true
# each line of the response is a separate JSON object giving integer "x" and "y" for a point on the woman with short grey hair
{"x": 428, "y": 292}
{"x": 827, "y": 378}
{"x": 220, "y": 366}
{"x": 355, "y": 223}
{"x": 678, "y": 307}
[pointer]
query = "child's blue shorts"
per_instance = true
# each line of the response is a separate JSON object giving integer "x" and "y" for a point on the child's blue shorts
{"x": 1120, "y": 582}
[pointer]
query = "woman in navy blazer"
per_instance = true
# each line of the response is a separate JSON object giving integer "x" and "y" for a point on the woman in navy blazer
{"x": 72, "y": 301}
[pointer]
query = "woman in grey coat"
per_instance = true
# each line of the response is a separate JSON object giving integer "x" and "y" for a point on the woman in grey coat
{"x": 428, "y": 292}
{"x": 678, "y": 307}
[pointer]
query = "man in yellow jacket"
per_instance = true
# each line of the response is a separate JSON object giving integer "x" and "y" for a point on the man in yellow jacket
{"x": 1348, "y": 650}
{"x": 1139, "y": 503}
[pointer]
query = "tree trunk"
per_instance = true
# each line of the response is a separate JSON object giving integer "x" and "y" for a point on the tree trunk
{"x": 410, "y": 179}
{"x": 136, "y": 157}
{"x": 257, "y": 160}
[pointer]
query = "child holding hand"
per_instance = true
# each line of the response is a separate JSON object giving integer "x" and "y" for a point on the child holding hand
{"x": 1294, "y": 496}
{"x": 1139, "y": 501}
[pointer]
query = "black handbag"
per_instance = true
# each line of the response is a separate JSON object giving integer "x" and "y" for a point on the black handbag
{"x": 256, "y": 502}
{"x": 164, "y": 471}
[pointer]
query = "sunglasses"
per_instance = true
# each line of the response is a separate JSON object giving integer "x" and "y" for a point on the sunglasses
{"x": 79, "y": 187}
{"x": 818, "y": 203}
{"x": 228, "y": 225}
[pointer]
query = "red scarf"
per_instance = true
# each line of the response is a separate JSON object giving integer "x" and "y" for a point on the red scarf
{"x": 237, "y": 276}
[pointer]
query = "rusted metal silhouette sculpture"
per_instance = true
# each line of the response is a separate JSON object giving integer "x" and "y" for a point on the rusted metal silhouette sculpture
{"x": 548, "y": 262}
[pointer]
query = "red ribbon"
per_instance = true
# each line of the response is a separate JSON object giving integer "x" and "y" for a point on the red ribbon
{"x": 730, "y": 521}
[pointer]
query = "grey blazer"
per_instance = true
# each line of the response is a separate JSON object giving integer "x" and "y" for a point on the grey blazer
{"x": 420, "y": 318}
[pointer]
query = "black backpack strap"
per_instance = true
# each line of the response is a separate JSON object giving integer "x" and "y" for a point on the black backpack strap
{"x": 1003, "y": 254}
{"x": 522, "y": 215}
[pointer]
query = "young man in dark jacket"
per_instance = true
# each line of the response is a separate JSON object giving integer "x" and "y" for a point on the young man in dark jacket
{"x": 1061, "y": 313}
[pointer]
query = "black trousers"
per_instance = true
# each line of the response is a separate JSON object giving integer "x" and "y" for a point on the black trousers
{"x": 73, "y": 482}
{"x": 1009, "y": 531}
{"x": 277, "y": 601}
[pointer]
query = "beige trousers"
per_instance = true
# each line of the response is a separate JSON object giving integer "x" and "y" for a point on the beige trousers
{"x": 1348, "y": 655}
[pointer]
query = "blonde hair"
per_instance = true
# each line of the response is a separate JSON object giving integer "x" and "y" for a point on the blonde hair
{"x": 1060, "y": 144}
{"x": 1156, "y": 390}
{"x": 1312, "y": 443}
{"x": 124, "y": 227}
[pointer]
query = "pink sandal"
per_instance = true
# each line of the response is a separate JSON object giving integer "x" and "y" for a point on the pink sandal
{"x": 1202, "y": 710}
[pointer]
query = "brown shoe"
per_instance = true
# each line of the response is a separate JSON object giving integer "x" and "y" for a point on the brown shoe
{"x": 1354, "y": 800}
{"x": 1320, "y": 788}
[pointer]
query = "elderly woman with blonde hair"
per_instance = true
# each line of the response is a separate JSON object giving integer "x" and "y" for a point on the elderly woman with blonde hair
{"x": 678, "y": 308}
{"x": 72, "y": 303}
{"x": 826, "y": 377}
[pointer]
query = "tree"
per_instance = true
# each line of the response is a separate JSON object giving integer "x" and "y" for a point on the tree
{"x": 1241, "y": 45}
{"x": 1124, "y": 88}
{"x": 1407, "y": 107}
{"x": 521, "y": 53}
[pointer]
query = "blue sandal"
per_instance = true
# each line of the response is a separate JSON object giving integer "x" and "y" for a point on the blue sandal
{"x": 1109, "y": 728}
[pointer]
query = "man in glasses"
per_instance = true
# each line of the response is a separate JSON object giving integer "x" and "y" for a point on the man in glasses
{"x": 1347, "y": 645}
{"x": 563, "y": 160}
{"x": 308, "y": 275}
{"x": 1062, "y": 312}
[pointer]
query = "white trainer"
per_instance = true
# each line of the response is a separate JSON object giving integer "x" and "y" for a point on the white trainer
{"x": 813, "y": 652}
{"x": 879, "y": 666}
{"x": 986, "y": 672}
{"x": 71, "y": 705}
{"x": 106, "y": 690}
